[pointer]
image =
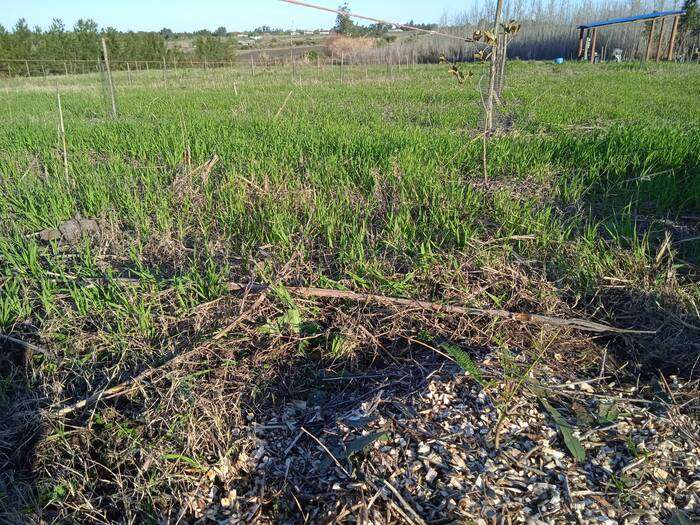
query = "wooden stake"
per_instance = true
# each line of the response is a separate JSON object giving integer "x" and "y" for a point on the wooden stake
{"x": 284, "y": 104}
{"x": 580, "y": 43}
{"x": 502, "y": 66}
{"x": 62, "y": 133}
{"x": 647, "y": 54}
{"x": 593, "y": 42}
{"x": 672, "y": 41}
{"x": 105, "y": 57}
{"x": 661, "y": 40}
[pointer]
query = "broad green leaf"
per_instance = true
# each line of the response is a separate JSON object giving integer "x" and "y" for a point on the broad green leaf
{"x": 681, "y": 518}
{"x": 359, "y": 444}
{"x": 571, "y": 441}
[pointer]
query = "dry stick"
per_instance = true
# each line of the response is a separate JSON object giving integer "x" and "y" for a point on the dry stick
{"x": 575, "y": 323}
{"x": 406, "y": 517}
{"x": 130, "y": 384}
{"x": 502, "y": 66}
{"x": 225, "y": 331}
{"x": 283, "y": 105}
{"x": 105, "y": 57}
{"x": 324, "y": 447}
{"x": 524, "y": 317}
{"x": 62, "y": 132}
{"x": 484, "y": 158}
{"x": 403, "y": 502}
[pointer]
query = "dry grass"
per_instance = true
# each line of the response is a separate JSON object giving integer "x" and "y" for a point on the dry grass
{"x": 343, "y": 45}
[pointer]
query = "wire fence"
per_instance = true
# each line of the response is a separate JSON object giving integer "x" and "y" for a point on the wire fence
{"x": 253, "y": 62}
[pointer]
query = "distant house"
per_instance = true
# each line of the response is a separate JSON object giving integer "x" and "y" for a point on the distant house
{"x": 324, "y": 33}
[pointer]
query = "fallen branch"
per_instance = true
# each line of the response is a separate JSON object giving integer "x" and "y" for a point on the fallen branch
{"x": 130, "y": 384}
{"x": 311, "y": 292}
{"x": 24, "y": 345}
{"x": 524, "y": 317}
{"x": 583, "y": 325}
{"x": 403, "y": 502}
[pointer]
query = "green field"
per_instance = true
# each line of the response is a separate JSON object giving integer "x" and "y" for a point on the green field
{"x": 590, "y": 208}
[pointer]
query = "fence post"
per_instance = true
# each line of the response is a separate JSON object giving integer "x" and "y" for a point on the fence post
{"x": 661, "y": 40}
{"x": 26, "y": 64}
{"x": 105, "y": 57}
{"x": 165, "y": 73}
{"x": 62, "y": 131}
{"x": 647, "y": 53}
{"x": 342, "y": 63}
{"x": 672, "y": 41}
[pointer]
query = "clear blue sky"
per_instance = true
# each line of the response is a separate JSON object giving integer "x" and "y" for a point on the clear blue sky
{"x": 182, "y": 15}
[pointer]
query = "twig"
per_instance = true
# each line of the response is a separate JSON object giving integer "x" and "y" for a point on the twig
{"x": 62, "y": 132}
{"x": 403, "y": 502}
{"x": 324, "y": 447}
{"x": 283, "y": 104}
{"x": 583, "y": 325}
{"x": 225, "y": 331}
{"x": 575, "y": 323}
{"x": 129, "y": 385}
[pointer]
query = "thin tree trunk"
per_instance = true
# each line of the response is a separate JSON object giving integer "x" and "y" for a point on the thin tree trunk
{"x": 488, "y": 120}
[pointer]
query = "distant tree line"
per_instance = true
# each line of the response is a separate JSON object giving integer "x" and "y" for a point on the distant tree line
{"x": 57, "y": 45}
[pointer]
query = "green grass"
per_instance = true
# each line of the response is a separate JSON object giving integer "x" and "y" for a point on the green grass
{"x": 371, "y": 181}
{"x": 375, "y": 184}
